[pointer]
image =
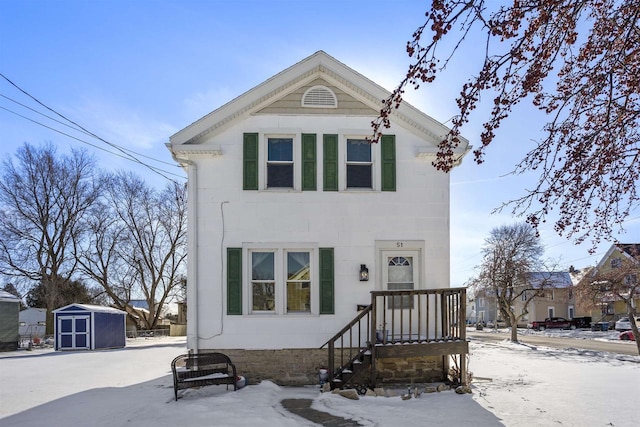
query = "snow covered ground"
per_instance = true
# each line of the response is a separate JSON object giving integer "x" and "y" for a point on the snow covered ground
{"x": 514, "y": 385}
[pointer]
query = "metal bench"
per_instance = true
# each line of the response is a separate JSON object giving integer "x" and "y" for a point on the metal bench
{"x": 202, "y": 369}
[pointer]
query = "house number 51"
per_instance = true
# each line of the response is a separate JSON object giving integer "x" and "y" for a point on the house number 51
{"x": 399, "y": 244}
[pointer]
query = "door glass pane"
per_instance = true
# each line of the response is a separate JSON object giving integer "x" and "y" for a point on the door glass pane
{"x": 400, "y": 277}
{"x": 66, "y": 325}
{"x": 81, "y": 325}
{"x": 81, "y": 340}
{"x": 66, "y": 341}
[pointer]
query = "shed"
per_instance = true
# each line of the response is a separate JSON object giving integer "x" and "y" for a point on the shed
{"x": 9, "y": 311}
{"x": 89, "y": 327}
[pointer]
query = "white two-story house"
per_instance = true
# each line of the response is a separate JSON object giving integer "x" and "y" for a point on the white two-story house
{"x": 298, "y": 227}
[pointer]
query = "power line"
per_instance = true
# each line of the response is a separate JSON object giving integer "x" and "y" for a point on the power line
{"x": 82, "y": 131}
{"x": 160, "y": 172}
{"x": 128, "y": 155}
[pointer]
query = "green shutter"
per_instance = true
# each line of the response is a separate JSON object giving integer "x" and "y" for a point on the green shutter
{"x": 309, "y": 162}
{"x": 234, "y": 280}
{"x": 330, "y": 158}
{"x": 326, "y": 281}
{"x": 250, "y": 161}
{"x": 388, "y": 148}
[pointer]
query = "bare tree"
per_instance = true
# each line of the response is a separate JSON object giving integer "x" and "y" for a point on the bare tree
{"x": 138, "y": 244}
{"x": 101, "y": 256}
{"x": 44, "y": 199}
{"x": 576, "y": 60}
{"x": 509, "y": 253}
{"x": 620, "y": 282}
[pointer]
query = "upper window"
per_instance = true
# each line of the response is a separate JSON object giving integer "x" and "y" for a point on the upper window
{"x": 359, "y": 164}
{"x": 280, "y": 163}
{"x": 319, "y": 97}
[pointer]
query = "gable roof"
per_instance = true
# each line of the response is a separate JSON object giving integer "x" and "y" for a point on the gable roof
{"x": 7, "y": 297}
{"x": 629, "y": 250}
{"x": 553, "y": 279}
{"x": 320, "y": 65}
{"x": 89, "y": 307}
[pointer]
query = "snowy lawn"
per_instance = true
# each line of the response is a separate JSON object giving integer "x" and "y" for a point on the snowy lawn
{"x": 514, "y": 385}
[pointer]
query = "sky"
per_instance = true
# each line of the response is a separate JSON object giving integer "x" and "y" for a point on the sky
{"x": 514, "y": 385}
{"x": 134, "y": 73}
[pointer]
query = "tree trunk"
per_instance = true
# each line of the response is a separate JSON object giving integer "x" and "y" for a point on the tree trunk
{"x": 634, "y": 326}
{"x": 514, "y": 327}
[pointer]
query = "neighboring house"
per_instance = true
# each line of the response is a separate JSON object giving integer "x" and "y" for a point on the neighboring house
{"x": 9, "y": 309}
{"x": 296, "y": 221}
{"x": 471, "y": 309}
{"x": 486, "y": 307}
{"x": 611, "y": 307}
{"x": 33, "y": 322}
{"x": 551, "y": 295}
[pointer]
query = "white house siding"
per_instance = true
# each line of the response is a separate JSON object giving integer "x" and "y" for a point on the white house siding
{"x": 349, "y": 221}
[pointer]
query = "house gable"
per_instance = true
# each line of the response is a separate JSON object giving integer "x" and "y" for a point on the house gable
{"x": 292, "y": 103}
{"x": 282, "y": 95}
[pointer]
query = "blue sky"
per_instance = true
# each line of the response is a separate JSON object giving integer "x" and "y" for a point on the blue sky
{"x": 135, "y": 72}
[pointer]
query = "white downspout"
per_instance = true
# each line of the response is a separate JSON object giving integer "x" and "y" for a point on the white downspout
{"x": 192, "y": 229}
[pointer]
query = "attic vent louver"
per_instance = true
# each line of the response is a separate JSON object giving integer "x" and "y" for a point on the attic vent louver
{"x": 319, "y": 97}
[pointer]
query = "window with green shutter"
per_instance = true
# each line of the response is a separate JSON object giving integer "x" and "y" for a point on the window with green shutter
{"x": 309, "y": 162}
{"x": 250, "y": 161}
{"x": 330, "y": 162}
{"x": 234, "y": 281}
{"x": 388, "y": 151}
{"x": 327, "y": 292}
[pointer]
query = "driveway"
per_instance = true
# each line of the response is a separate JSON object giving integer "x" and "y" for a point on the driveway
{"x": 628, "y": 348}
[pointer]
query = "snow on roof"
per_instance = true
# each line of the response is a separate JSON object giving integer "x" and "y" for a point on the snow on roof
{"x": 553, "y": 279}
{"x": 7, "y": 297}
{"x": 89, "y": 307}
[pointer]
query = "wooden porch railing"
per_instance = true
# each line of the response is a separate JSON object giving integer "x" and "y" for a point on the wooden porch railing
{"x": 409, "y": 316}
{"x": 418, "y": 315}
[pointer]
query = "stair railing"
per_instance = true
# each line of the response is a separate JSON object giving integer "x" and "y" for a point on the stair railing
{"x": 350, "y": 342}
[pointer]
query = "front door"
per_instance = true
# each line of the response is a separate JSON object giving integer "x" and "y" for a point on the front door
{"x": 73, "y": 332}
{"x": 400, "y": 271}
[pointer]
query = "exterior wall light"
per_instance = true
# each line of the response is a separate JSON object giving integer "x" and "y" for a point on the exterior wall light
{"x": 364, "y": 273}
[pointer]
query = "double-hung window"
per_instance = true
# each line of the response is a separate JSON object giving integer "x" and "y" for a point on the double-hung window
{"x": 279, "y": 162}
{"x": 281, "y": 281}
{"x": 298, "y": 282}
{"x": 263, "y": 285}
{"x": 359, "y": 164}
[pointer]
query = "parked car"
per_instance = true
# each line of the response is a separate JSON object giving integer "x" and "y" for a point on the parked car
{"x": 552, "y": 322}
{"x": 624, "y": 324}
{"x": 626, "y": 336}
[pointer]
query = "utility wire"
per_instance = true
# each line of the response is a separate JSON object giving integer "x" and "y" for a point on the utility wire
{"x": 128, "y": 156}
{"x": 82, "y": 131}
{"x": 154, "y": 169}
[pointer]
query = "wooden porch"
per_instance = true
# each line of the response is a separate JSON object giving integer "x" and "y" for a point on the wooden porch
{"x": 401, "y": 325}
